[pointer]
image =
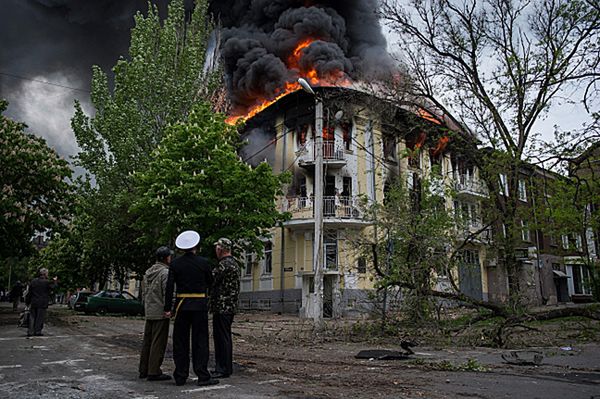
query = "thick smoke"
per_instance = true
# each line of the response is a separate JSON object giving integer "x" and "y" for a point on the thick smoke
{"x": 58, "y": 41}
{"x": 260, "y": 36}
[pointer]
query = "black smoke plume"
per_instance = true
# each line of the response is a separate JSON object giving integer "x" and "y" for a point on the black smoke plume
{"x": 259, "y": 36}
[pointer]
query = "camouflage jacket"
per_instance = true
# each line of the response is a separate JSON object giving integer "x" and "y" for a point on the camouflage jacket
{"x": 226, "y": 286}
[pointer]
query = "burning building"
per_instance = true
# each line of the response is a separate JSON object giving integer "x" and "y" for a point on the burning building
{"x": 266, "y": 46}
{"x": 363, "y": 141}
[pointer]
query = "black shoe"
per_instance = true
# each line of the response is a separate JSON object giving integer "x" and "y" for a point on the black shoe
{"x": 143, "y": 375}
{"x": 210, "y": 381}
{"x": 160, "y": 377}
{"x": 179, "y": 382}
{"x": 39, "y": 335}
{"x": 219, "y": 375}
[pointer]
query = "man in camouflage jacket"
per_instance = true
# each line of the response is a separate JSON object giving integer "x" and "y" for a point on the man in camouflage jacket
{"x": 223, "y": 304}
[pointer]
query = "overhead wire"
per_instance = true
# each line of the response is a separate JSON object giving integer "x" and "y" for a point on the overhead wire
{"x": 44, "y": 82}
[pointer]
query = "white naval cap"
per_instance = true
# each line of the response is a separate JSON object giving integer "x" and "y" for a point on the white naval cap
{"x": 187, "y": 240}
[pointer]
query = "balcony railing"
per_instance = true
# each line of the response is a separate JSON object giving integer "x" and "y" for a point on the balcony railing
{"x": 333, "y": 207}
{"x": 470, "y": 185}
{"x": 332, "y": 151}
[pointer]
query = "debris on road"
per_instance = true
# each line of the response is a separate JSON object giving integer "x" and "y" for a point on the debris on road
{"x": 523, "y": 358}
{"x": 382, "y": 354}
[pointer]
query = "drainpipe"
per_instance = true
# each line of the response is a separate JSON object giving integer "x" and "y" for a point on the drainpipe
{"x": 282, "y": 257}
{"x": 537, "y": 238}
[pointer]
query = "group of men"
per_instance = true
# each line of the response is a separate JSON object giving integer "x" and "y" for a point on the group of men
{"x": 185, "y": 289}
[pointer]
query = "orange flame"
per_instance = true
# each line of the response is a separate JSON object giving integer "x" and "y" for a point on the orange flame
{"x": 426, "y": 115}
{"x": 337, "y": 78}
{"x": 441, "y": 145}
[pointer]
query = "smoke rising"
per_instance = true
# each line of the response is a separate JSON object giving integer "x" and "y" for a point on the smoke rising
{"x": 260, "y": 37}
{"x": 58, "y": 41}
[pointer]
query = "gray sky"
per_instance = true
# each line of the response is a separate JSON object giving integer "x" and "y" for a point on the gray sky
{"x": 58, "y": 41}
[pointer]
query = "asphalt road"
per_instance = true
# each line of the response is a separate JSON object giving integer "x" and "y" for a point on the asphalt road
{"x": 96, "y": 357}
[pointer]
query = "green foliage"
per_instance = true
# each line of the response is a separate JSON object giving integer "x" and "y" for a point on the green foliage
{"x": 414, "y": 232}
{"x": 36, "y": 194}
{"x": 62, "y": 258}
{"x": 155, "y": 87}
{"x": 197, "y": 181}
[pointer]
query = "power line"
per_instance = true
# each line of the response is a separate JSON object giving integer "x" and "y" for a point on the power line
{"x": 43, "y": 82}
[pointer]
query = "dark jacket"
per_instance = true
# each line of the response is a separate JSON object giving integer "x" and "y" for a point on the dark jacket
{"x": 39, "y": 292}
{"x": 226, "y": 286}
{"x": 16, "y": 292}
{"x": 192, "y": 275}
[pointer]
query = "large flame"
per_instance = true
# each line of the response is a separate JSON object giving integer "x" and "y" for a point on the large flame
{"x": 336, "y": 78}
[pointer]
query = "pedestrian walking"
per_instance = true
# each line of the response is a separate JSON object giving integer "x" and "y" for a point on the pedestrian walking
{"x": 156, "y": 328}
{"x": 37, "y": 298}
{"x": 15, "y": 295}
{"x": 192, "y": 276}
{"x": 223, "y": 304}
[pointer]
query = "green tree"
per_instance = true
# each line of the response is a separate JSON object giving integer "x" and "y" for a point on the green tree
{"x": 156, "y": 86}
{"x": 36, "y": 194}
{"x": 497, "y": 67}
{"x": 197, "y": 181}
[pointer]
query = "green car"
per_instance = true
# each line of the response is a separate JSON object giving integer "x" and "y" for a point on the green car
{"x": 114, "y": 302}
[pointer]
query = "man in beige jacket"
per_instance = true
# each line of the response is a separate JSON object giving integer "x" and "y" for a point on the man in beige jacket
{"x": 156, "y": 329}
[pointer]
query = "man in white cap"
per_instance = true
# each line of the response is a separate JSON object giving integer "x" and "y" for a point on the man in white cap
{"x": 193, "y": 278}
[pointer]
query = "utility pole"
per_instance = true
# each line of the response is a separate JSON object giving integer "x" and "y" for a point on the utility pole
{"x": 317, "y": 297}
{"x": 318, "y": 207}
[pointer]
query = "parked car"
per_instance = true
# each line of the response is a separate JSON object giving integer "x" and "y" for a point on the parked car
{"x": 79, "y": 299}
{"x": 114, "y": 302}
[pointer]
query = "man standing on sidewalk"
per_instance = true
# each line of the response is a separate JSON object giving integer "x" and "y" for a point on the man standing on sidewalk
{"x": 192, "y": 276}
{"x": 223, "y": 304}
{"x": 38, "y": 296}
{"x": 156, "y": 329}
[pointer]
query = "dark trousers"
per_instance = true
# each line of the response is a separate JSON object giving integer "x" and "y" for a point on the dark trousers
{"x": 36, "y": 320}
{"x": 156, "y": 335}
{"x": 15, "y": 302}
{"x": 223, "y": 343}
{"x": 198, "y": 322}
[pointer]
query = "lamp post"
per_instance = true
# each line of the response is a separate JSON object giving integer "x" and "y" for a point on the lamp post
{"x": 317, "y": 298}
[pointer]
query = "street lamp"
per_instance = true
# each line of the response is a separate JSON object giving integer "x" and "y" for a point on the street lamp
{"x": 317, "y": 298}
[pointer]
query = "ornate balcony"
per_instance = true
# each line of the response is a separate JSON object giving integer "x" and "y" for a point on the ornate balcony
{"x": 334, "y": 155}
{"x": 470, "y": 186}
{"x": 337, "y": 210}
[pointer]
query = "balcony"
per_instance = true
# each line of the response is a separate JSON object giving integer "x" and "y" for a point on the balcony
{"x": 337, "y": 211}
{"x": 334, "y": 155}
{"x": 469, "y": 186}
{"x": 471, "y": 227}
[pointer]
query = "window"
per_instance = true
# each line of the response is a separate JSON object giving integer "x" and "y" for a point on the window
{"x": 578, "y": 242}
{"x": 268, "y": 257}
{"x": 347, "y": 135}
{"x": 565, "y": 241}
{"x": 469, "y": 257}
{"x": 503, "y": 184}
{"x": 504, "y": 230}
{"x": 330, "y": 250}
{"x": 525, "y": 233}
{"x": 301, "y": 133}
{"x": 361, "y": 265}
{"x": 553, "y": 240}
{"x": 522, "y": 191}
{"x": 248, "y": 264}
{"x": 389, "y": 148}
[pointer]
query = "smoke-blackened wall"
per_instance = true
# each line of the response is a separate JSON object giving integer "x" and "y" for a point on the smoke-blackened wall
{"x": 259, "y": 38}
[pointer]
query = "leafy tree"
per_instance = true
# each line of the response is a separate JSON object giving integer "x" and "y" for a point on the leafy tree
{"x": 197, "y": 181}
{"x": 156, "y": 86}
{"x": 36, "y": 195}
{"x": 496, "y": 67}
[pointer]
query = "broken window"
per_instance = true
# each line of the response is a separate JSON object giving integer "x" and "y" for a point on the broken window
{"x": 268, "y": 257}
